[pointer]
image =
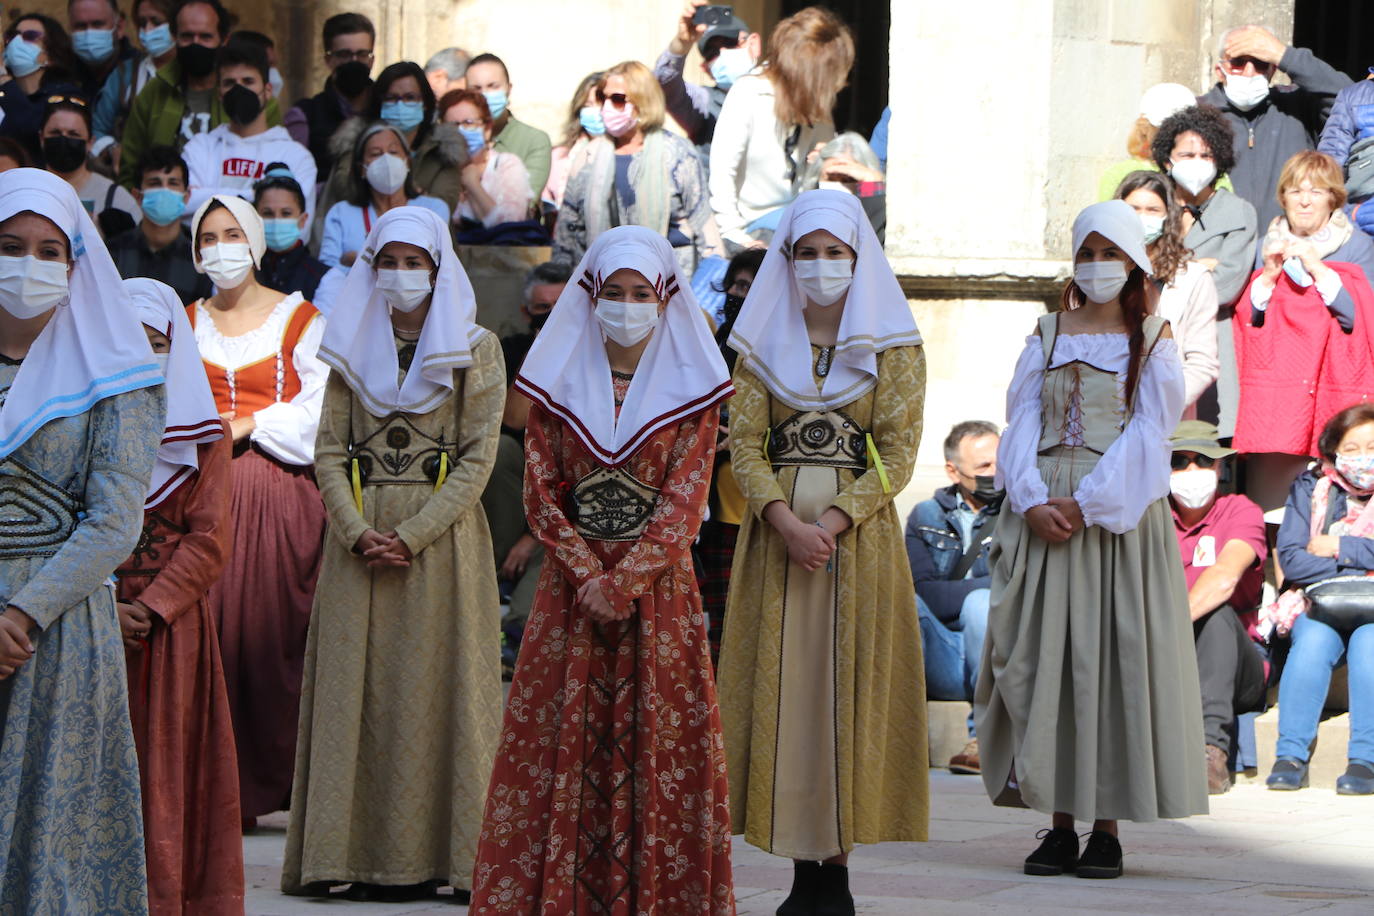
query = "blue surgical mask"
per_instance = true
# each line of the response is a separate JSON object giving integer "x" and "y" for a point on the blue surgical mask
{"x": 591, "y": 121}
{"x": 21, "y": 57}
{"x": 281, "y": 234}
{"x": 475, "y": 136}
{"x": 158, "y": 40}
{"x": 1297, "y": 272}
{"x": 731, "y": 64}
{"x": 163, "y": 206}
{"x": 497, "y": 102}
{"x": 94, "y": 46}
{"x": 404, "y": 115}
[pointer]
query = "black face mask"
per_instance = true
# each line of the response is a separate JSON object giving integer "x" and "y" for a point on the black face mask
{"x": 537, "y": 322}
{"x": 985, "y": 490}
{"x": 196, "y": 61}
{"x": 242, "y": 105}
{"x": 64, "y": 154}
{"x": 733, "y": 304}
{"x": 352, "y": 78}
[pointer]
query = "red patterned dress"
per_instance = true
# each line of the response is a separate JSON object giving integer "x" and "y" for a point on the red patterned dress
{"x": 609, "y": 793}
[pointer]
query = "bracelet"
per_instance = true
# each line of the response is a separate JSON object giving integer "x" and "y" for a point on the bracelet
{"x": 820, "y": 526}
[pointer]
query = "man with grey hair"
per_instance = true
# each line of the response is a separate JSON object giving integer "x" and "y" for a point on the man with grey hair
{"x": 1270, "y": 123}
{"x": 446, "y": 69}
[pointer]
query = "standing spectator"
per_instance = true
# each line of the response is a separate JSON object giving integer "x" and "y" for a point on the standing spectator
{"x": 1187, "y": 293}
{"x": 287, "y": 264}
{"x": 1347, "y": 138}
{"x": 638, "y": 175}
{"x": 153, "y": 19}
{"x": 1269, "y": 123}
{"x": 488, "y": 75}
{"x": 259, "y": 348}
{"x": 1158, "y": 103}
{"x": 78, "y": 437}
{"x": 771, "y": 122}
{"x": 66, "y": 137}
{"x": 159, "y": 247}
{"x": 38, "y": 63}
{"x": 98, "y": 42}
{"x": 1305, "y": 327}
{"x": 1328, "y": 531}
{"x": 496, "y": 187}
{"x": 947, "y": 541}
{"x": 447, "y": 71}
{"x": 380, "y": 180}
{"x": 1222, "y": 542}
{"x": 230, "y": 158}
{"x": 728, "y": 52}
{"x": 177, "y": 698}
{"x": 583, "y": 125}
{"x": 349, "y": 39}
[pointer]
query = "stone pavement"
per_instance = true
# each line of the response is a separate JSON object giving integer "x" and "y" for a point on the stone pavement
{"x": 1258, "y": 853}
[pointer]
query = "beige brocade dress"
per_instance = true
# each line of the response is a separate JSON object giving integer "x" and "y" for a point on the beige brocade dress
{"x": 822, "y": 690}
{"x": 401, "y": 702}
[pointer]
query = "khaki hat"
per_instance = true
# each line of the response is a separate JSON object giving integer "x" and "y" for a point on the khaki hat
{"x": 1201, "y": 437}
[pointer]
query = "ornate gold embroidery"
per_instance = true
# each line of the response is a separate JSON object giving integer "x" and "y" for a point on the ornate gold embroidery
{"x": 831, "y": 439}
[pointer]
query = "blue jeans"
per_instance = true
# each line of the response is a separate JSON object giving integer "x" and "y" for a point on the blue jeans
{"x": 953, "y": 652}
{"x": 1317, "y": 650}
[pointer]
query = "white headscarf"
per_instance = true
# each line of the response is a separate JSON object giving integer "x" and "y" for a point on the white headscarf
{"x": 568, "y": 373}
{"x": 358, "y": 341}
{"x": 248, "y": 219}
{"x": 93, "y": 347}
{"x": 1116, "y": 221}
{"x": 770, "y": 332}
{"x": 192, "y": 418}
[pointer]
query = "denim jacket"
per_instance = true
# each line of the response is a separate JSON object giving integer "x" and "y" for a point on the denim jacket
{"x": 934, "y": 546}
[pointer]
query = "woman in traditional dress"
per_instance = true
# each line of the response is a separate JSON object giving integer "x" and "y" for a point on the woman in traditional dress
{"x": 401, "y": 704}
{"x": 820, "y": 668}
{"x": 259, "y": 348}
{"x": 1087, "y": 705}
{"x": 177, "y": 699}
{"x": 81, "y": 413}
{"x": 609, "y": 793}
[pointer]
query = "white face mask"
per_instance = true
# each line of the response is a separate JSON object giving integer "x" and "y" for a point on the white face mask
{"x": 627, "y": 323}
{"x": 824, "y": 280}
{"x": 1193, "y": 174}
{"x": 1193, "y": 488}
{"x": 1245, "y": 92}
{"x": 29, "y": 287}
{"x": 404, "y": 290}
{"x": 227, "y": 264}
{"x": 387, "y": 173}
{"x": 1100, "y": 281}
{"x": 1153, "y": 224}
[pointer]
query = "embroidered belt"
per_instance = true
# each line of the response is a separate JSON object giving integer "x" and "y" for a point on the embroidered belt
{"x": 36, "y": 516}
{"x": 398, "y": 453}
{"x": 610, "y": 505}
{"x": 828, "y": 439}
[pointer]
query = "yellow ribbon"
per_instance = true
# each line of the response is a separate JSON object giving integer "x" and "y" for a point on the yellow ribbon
{"x": 877, "y": 463}
{"x": 357, "y": 486}
{"x": 443, "y": 471}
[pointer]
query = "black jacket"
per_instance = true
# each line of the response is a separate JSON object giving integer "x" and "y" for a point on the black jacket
{"x": 934, "y": 546}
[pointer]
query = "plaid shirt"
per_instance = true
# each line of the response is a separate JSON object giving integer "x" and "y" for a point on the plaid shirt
{"x": 172, "y": 265}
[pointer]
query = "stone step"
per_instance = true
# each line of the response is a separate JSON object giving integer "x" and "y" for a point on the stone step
{"x": 947, "y": 729}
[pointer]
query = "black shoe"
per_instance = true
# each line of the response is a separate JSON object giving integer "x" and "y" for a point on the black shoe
{"x": 1358, "y": 779}
{"x": 362, "y": 892}
{"x": 806, "y": 880}
{"x": 834, "y": 898}
{"x": 1101, "y": 856}
{"x": 1057, "y": 854}
{"x": 1289, "y": 773}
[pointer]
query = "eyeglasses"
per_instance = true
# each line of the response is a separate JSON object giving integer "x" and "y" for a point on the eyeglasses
{"x": 32, "y": 36}
{"x": 617, "y": 99}
{"x": 344, "y": 56}
{"x": 69, "y": 99}
{"x": 1181, "y": 460}
{"x": 408, "y": 97}
{"x": 470, "y": 123}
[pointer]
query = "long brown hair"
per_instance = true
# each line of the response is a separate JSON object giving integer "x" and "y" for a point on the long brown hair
{"x": 809, "y": 58}
{"x": 572, "y": 127}
{"x": 1167, "y": 253}
{"x": 1135, "y": 305}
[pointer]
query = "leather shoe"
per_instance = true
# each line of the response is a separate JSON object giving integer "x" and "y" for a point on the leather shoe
{"x": 1057, "y": 854}
{"x": 966, "y": 761}
{"x": 1358, "y": 779}
{"x": 1288, "y": 774}
{"x": 1218, "y": 773}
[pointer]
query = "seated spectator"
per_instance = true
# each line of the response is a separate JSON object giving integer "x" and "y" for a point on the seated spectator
{"x": 12, "y": 154}
{"x": 772, "y": 120}
{"x": 1222, "y": 542}
{"x": 847, "y": 163}
{"x": 159, "y": 247}
{"x": 38, "y": 63}
{"x": 496, "y": 187}
{"x": 381, "y": 179}
{"x": 348, "y": 54}
{"x": 153, "y": 19}
{"x": 269, "y": 50}
{"x": 1298, "y": 343}
{"x": 947, "y": 541}
{"x": 1275, "y": 121}
{"x": 488, "y": 75}
{"x": 623, "y": 182}
{"x": 1158, "y": 102}
{"x": 447, "y": 71}
{"x": 66, "y": 138}
{"x": 583, "y": 125}
{"x": 728, "y": 52}
{"x": 1327, "y": 531}
{"x": 228, "y": 159}
{"x": 98, "y": 42}
{"x": 1187, "y": 293}
{"x": 287, "y": 264}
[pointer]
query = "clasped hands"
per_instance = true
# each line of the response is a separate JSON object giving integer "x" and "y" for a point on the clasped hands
{"x": 810, "y": 546}
{"x": 15, "y": 645}
{"x": 591, "y": 600}
{"x": 381, "y": 550}
{"x": 1055, "y": 521}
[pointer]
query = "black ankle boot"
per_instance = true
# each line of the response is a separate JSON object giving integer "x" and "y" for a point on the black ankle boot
{"x": 834, "y": 898}
{"x": 806, "y": 877}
